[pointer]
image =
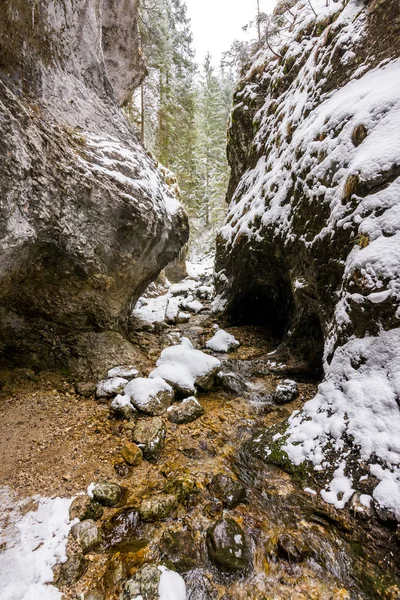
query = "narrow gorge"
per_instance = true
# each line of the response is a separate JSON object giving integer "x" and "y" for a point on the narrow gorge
{"x": 199, "y": 401}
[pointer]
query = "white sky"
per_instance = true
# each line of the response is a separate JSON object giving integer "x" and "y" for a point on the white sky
{"x": 217, "y": 23}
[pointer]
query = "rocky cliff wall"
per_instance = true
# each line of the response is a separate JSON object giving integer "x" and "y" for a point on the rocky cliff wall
{"x": 310, "y": 245}
{"x": 86, "y": 220}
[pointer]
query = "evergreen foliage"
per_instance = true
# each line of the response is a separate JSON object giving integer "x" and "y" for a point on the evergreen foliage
{"x": 185, "y": 111}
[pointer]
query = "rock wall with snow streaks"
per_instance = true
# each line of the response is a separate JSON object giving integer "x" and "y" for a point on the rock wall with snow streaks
{"x": 311, "y": 242}
{"x": 86, "y": 220}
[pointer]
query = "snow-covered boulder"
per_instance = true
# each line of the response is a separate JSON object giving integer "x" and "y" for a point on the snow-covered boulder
{"x": 124, "y": 371}
{"x": 194, "y": 306}
{"x": 122, "y": 407}
{"x": 285, "y": 392}
{"x": 186, "y": 411}
{"x": 150, "y": 396}
{"x": 222, "y": 341}
{"x": 110, "y": 387}
{"x": 186, "y": 368}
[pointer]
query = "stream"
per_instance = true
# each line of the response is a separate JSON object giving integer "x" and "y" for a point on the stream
{"x": 232, "y": 525}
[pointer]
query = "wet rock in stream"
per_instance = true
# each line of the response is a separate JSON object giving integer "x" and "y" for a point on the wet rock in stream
{"x": 285, "y": 392}
{"x": 199, "y": 587}
{"x": 187, "y": 411}
{"x": 149, "y": 434}
{"x": 232, "y": 383}
{"x": 107, "y": 494}
{"x": 132, "y": 454}
{"x": 87, "y": 535}
{"x": 230, "y": 492}
{"x": 123, "y": 532}
{"x": 292, "y": 548}
{"x": 227, "y": 546}
{"x": 181, "y": 487}
{"x": 180, "y": 548}
{"x": 158, "y": 508}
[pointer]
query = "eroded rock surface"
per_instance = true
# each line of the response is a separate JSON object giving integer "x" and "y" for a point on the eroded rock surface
{"x": 87, "y": 221}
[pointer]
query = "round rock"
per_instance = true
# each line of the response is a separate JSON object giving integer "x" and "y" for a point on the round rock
{"x": 110, "y": 387}
{"x": 285, "y": 392}
{"x": 107, "y": 494}
{"x": 158, "y": 507}
{"x": 227, "y": 546}
{"x": 149, "y": 434}
{"x": 180, "y": 548}
{"x": 121, "y": 407}
{"x": 150, "y": 396}
{"x": 230, "y": 492}
{"x": 132, "y": 454}
{"x": 187, "y": 411}
{"x": 87, "y": 535}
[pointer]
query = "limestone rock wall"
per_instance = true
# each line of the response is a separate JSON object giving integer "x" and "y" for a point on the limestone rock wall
{"x": 310, "y": 245}
{"x": 86, "y": 220}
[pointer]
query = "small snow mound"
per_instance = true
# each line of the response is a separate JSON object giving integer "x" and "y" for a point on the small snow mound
{"x": 184, "y": 367}
{"x": 151, "y": 396}
{"x": 31, "y": 545}
{"x": 124, "y": 371}
{"x": 222, "y": 341}
{"x": 171, "y": 586}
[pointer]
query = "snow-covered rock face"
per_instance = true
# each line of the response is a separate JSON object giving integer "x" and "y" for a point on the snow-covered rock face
{"x": 311, "y": 240}
{"x": 86, "y": 219}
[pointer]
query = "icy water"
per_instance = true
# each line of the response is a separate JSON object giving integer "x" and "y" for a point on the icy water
{"x": 295, "y": 546}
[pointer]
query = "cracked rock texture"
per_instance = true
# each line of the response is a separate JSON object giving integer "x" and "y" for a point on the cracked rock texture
{"x": 86, "y": 220}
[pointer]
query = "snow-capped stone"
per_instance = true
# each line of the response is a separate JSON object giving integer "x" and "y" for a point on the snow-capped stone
{"x": 151, "y": 396}
{"x": 222, "y": 341}
{"x": 124, "y": 371}
{"x": 110, "y": 387}
{"x": 122, "y": 407}
{"x": 192, "y": 305}
{"x": 186, "y": 411}
{"x": 186, "y": 368}
{"x": 285, "y": 392}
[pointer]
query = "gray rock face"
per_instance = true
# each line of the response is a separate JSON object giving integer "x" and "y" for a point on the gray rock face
{"x": 87, "y": 221}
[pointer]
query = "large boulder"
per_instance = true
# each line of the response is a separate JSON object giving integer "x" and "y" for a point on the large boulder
{"x": 87, "y": 221}
{"x": 311, "y": 242}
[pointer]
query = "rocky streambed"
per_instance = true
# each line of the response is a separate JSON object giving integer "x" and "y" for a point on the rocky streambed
{"x": 181, "y": 502}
